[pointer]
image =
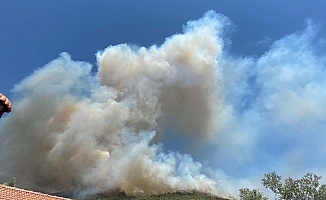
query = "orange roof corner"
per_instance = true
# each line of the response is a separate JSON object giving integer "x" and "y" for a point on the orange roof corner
{"x": 13, "y": 193}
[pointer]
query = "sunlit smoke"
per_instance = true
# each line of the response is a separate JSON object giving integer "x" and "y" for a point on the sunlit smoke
{"x": 100, "y": 133}
{"x": 106, "y": 131}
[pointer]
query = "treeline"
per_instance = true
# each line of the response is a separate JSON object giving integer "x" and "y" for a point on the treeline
{"x": 306, "y": 188}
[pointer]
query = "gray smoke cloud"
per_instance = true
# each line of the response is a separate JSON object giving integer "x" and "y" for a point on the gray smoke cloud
{"x": 185, "y": 115}
{"x": 98, "y": 133}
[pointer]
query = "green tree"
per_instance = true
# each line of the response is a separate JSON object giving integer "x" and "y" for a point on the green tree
{"x": 255, "y": 194}
{"x": 306, "y": 188}
{"x": 11, "y": 182}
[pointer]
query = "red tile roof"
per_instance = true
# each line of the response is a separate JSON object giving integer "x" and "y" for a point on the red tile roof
{"x": 13, "y": 193}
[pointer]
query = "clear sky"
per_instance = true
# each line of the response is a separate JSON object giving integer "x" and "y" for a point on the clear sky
{"x": 32, "y": 33}
{"x": 270, "y": 92}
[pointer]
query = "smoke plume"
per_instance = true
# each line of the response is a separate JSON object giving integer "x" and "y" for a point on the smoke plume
{"x": 100, "y": 132}
{"x": 185, "y": 115}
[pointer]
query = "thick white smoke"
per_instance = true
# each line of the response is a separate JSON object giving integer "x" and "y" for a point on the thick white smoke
{"x": 71, "y": 128}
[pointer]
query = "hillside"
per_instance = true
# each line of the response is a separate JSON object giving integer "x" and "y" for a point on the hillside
{"x": 168, "y": 196}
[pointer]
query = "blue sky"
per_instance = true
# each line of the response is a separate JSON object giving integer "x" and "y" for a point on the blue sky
{"x": 251, "y": 101}
{"x": 35, "y": 32}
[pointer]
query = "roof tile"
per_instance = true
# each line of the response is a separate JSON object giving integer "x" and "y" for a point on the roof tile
{"x": 13, "y": 193}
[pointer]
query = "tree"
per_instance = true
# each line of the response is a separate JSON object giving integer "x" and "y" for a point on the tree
{"x": 11, "y": 182}
{"x": 306, "y": 188}
{"x": 255, "y": 194}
